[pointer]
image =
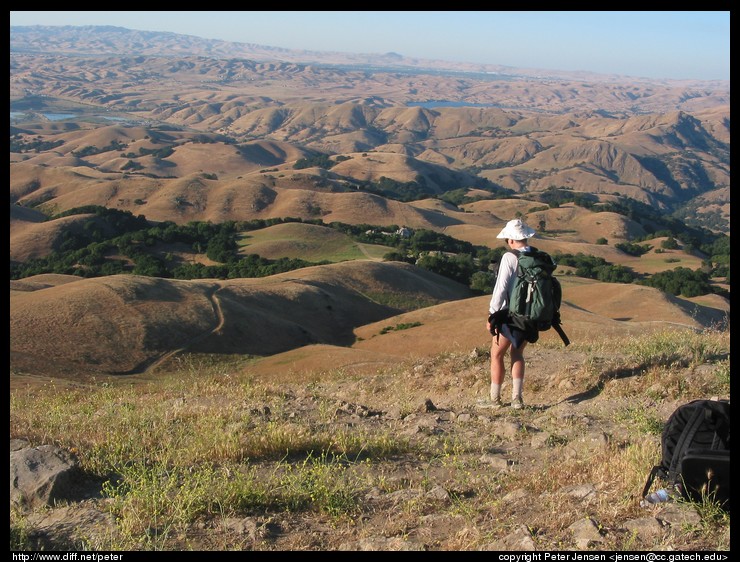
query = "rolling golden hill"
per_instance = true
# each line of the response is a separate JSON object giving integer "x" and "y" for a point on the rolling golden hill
{"x": 332, "y": 316}
{"x": 459, "y": 327}
{"x": 123, "y": 324}
{"x": 665, "y": 161}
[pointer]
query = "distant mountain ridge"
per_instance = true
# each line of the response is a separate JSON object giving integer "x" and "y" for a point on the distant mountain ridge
{"x": 113, "y": 40}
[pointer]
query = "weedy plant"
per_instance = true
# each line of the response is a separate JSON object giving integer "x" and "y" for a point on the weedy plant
{"x": 671, "y": 348}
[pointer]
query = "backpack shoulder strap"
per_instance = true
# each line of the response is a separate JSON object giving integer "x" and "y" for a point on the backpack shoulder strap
{"x": 541, "y": 259}
{"x": 651, "y": 477}
{"x": 558, "y": 327}
{"x": 718, "y": 416}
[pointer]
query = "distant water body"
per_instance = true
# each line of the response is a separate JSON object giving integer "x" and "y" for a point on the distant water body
{"x": 58, "y": 116}
{"x": 61, "y": 116}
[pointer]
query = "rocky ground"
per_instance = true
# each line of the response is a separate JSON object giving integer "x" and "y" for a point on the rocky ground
{"x": 533, "y": 479}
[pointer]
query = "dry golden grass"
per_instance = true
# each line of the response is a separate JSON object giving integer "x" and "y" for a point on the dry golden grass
{"x": 520, "y": 152}
{"x": 124, "y": 323}
{"x": 65, "y": 326}
{"x": 228, "y": 457}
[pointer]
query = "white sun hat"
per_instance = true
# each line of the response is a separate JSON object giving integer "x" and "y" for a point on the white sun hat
{"x": 516, "y": 229}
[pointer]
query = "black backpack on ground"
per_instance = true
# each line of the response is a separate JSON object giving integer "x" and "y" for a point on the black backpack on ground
{"x": 695, "y": 446}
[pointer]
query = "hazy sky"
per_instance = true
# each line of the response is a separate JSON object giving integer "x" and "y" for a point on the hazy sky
{"x": 660, "y": 44}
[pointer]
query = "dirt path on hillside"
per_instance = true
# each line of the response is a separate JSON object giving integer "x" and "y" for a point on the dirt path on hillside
{"x": 218, "y": 313}
{"x": 363, "y": 249}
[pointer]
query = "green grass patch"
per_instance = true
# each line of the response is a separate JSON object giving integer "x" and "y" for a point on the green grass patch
{"x": 401, "y": 301}
{"x": 308, "y": 242}
{"x": 398, "y": 327}
{"x": 642, "y": 419}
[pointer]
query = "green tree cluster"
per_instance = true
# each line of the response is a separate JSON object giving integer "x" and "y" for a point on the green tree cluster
{"x": 87, "y": 252}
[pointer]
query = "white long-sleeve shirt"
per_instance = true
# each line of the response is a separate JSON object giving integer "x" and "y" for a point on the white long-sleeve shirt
{"x": 505, "y": 281}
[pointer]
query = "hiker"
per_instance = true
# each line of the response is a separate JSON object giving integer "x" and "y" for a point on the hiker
{"x": 516, "y": 235}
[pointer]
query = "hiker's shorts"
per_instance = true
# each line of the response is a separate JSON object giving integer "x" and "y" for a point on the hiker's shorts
{"x": 514, "y": 335}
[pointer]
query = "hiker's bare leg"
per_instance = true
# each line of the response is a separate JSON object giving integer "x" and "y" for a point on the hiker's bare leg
{"x": 517, "y": 370}
{"x": 517, "y": 361}
{"x": 498, "y": 352}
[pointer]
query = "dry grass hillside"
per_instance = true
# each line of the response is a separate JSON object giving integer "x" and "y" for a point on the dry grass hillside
{"x": 458, "y": 327}
{"x": 124, "y": 324}
{"x": 665, "y": 145}
{"x": 138, "y": 323}
{"x": 651, "y": 166}
{"x": 198, "y": 197}
{"x": 331, "y": 315}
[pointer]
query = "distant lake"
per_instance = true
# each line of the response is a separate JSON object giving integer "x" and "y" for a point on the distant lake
{"x": 49, "y": 116}
{"x": 442, "y": 103}
{"x": 62, "y": 116}
{"x": 58, "y": 116}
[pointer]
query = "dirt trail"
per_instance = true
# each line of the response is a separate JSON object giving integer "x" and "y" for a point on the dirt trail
{"x": 363, "y": 249}
{"x": 218, "y": 312}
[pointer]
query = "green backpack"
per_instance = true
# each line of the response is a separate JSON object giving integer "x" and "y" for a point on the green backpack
{"x": 537, "y": 294}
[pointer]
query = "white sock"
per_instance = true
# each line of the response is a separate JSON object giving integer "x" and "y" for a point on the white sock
{"x": 516, "y": 391}
{"x": 495, "y": 391}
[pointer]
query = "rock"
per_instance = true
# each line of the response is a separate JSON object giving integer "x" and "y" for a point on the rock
{"x": 678, "y": 514}
{"x": 448, "y": 415}
{"x": 540, "y": 440}
{"x": 41, "y": 475}
{"x": 18, "y": 444}
{"x": 514, "y": 495}
{"x": 579, "y": 491}
{"x": 585, "y": 533}
{"x": 592, "y": 441}
{"x": 424, "y": 424}
{"x": 519, "y": 539}
{"x": 595, "y": 440}
{"x": 439, "y": 493}
{"x": 566, "y": 384}
{"x": 382, "y": 544}
{"x": 509, "y": 429}
{"x": 496, "y": 461}
{"x": 69, "y": 526}
{"x": 644, "y": 528}
{"x": 394, "y": 412}
{"x": 244, "y": 526}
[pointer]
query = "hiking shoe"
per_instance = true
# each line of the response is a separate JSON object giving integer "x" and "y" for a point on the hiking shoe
{"x": 517, "y": 403}
{"x": 490, "y": 404}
